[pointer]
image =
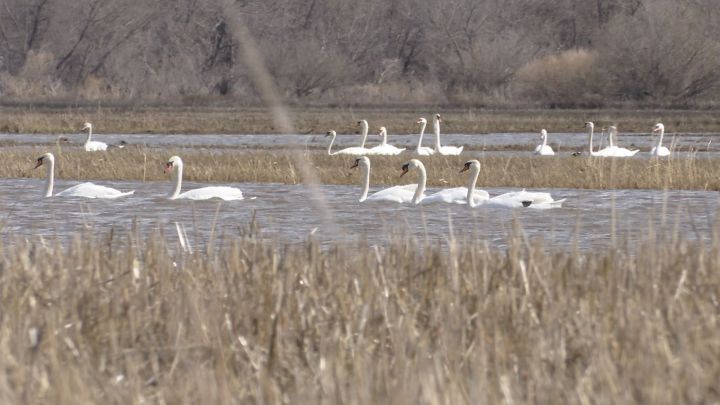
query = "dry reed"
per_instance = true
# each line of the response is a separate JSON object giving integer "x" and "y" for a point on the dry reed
{"x": 280, "y": 167}
{"x": 309, "y": 120}
{"x": 132, "y": 319}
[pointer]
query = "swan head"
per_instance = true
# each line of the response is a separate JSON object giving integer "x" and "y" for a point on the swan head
{"x": 421, "y": 120}
{"x": 383, "y": 131}
{"x": 331, "y": 133}
{"x": 362, "y": 123}
{"x": 48, "y": 157}
{"x": 612, "y": 129}
{"x": 589, "y": 124}
{"x": 470, "y": 164}
{"x": 543, "y": 134}
{"x": 412, "y": 164}
{"x": 659, "y": 127}
{"x": 172, "y": 164}
{"x": 361, "y": 161}
{"x": 87, "y": 125}
{"x": 437, "y": 118}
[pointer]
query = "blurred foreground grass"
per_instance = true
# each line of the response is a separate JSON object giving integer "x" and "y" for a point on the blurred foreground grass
{"x": 248, "y": 319}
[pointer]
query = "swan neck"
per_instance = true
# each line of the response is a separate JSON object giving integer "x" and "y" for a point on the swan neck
{"x": 365, "y": 182}
{"x": 474, "y": 173}
{"x": 544, "y": 144}
{"x": 422, "y": 133}
{"x": 590, "y": 136}
{"x": 662, "y": 133}
{"x": 364, "y": 125}
{"x": 87, "y": 140}
{"x": 612, "y": 138}
{"x": 49, "y": 178}
{"x": 436, "y": 128}
{"x": 177, "y": 179}
{"x": 420, "y": 190}
{"x": 384, "y": 141}
{"x": 331, "y": 144}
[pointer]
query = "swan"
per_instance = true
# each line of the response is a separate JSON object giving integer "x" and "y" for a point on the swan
{"x": 660, "y": 150}
{"x": 615, "y": 150}
{"x": 443, "y": 150}
{"x": 605, "y": 152}
{"x": 92, "y": 146}
{"x": 455, "y": 195}
{"x": 423, "y": 150}
{"x": 544, "y": 149}
{"x": 398, "y": 194}
{"x": 87, "y": 190}
{"x": 384, "y": 148}
{"x": 175, "y": 165}
{"x": 513, "y": 199}
{"x": 355, "y": 150}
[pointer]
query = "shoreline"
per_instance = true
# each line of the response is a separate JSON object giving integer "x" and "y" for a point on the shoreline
{"x": 317, "y": 120}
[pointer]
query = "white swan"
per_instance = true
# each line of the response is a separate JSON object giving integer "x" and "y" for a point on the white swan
{"x": 443, "y": 150}
{"x": 513, "y": 199}
{"x": 175, "y": 165}
{"x": 544, "y": 149}
{"x": 423, "y": 150}
{"x": 398, "y": 194}
{"x": 384, "y": 148}
{"x": 455, "y": 195}
{"x": 605, "y": 152}
{"x": 660, "y": 150}
{"x": 86, "y": 190}
{"x": 615, "y": 150}
{"x": 364, "y": 127}
{"x": 355, "y": 150}
{"x": 92, "y": 146}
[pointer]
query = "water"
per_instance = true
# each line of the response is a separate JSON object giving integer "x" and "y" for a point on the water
{"x": 522, "y": 143}
{"x": 287, "y": 213}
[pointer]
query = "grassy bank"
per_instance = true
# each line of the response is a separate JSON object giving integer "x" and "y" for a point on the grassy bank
{"x": 268, "y": 167}
{"x": 259, "y": 121}
{"x": 122, "y": 319}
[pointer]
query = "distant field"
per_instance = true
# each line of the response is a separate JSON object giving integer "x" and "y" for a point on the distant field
{"x": 135, "y": 163}
{"x": 343, "y": 120}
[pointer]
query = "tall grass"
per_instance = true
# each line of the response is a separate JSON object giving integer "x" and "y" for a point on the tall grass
{"x": 280, "y": 167}
{"x": 134, "y": 319}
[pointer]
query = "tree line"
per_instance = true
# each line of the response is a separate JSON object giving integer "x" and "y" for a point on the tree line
{"x": 549, "y": 53}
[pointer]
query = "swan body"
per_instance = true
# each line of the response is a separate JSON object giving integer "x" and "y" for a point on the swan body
{"x": 397, "y": 194}
{"x": 175, "y": 165}
{"x": 544, "y": 149}
{"x": 384, "y": 148}
{"x": 660, "y": 150}
{"x": 514, "y": 199}
{"x": 423, "y": 150}
{"x": 355, "y": 150}
{"x": 92, "y": 146}
{"x": 85, "y": 190}
{"x": 613, "y": 150}
{"x": 443, "y": 150}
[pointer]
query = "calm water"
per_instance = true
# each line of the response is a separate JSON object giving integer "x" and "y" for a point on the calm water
{"x": 288, "y": 212}
{"x": 702, "y": 143}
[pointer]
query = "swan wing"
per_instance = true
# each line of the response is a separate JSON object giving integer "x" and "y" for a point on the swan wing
{"x": 355, "y": 151}
{"x": 424, "y": 151}
{"x": 90, "y": 190}
{"x": 456, "y": 195}
{"x": 450, "y": 150}
{"x": 661, "y": 151}
{"x": 385, "y": 150}
{"x": 95, "y": 146}
{"x": 546, "y": 150}
{"x": 517, "y": 199}
{"x": 398, "y": 194}
{"x": 207, "y": 193}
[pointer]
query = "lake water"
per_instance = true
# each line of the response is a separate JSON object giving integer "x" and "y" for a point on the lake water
{"x": 291, "y": 214}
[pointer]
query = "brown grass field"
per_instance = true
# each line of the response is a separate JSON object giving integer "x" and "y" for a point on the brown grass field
{"x": 320, "y": 120}
{"x": 282, "y": 167}
{"x": 129, "y": 319}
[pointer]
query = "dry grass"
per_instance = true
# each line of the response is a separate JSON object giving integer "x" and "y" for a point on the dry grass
{"x": 123, "y": 319}
{"x": 270, "y": 167}
{"x": 259, "y": 121}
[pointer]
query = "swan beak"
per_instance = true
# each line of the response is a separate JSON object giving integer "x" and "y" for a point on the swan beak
{"x": 168, "y": 167}
{"x": 356, "y": 164}
{"x": 404, "y": 170}
{"x": 464, "y": 169}
{"x": 39, "y": 163}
